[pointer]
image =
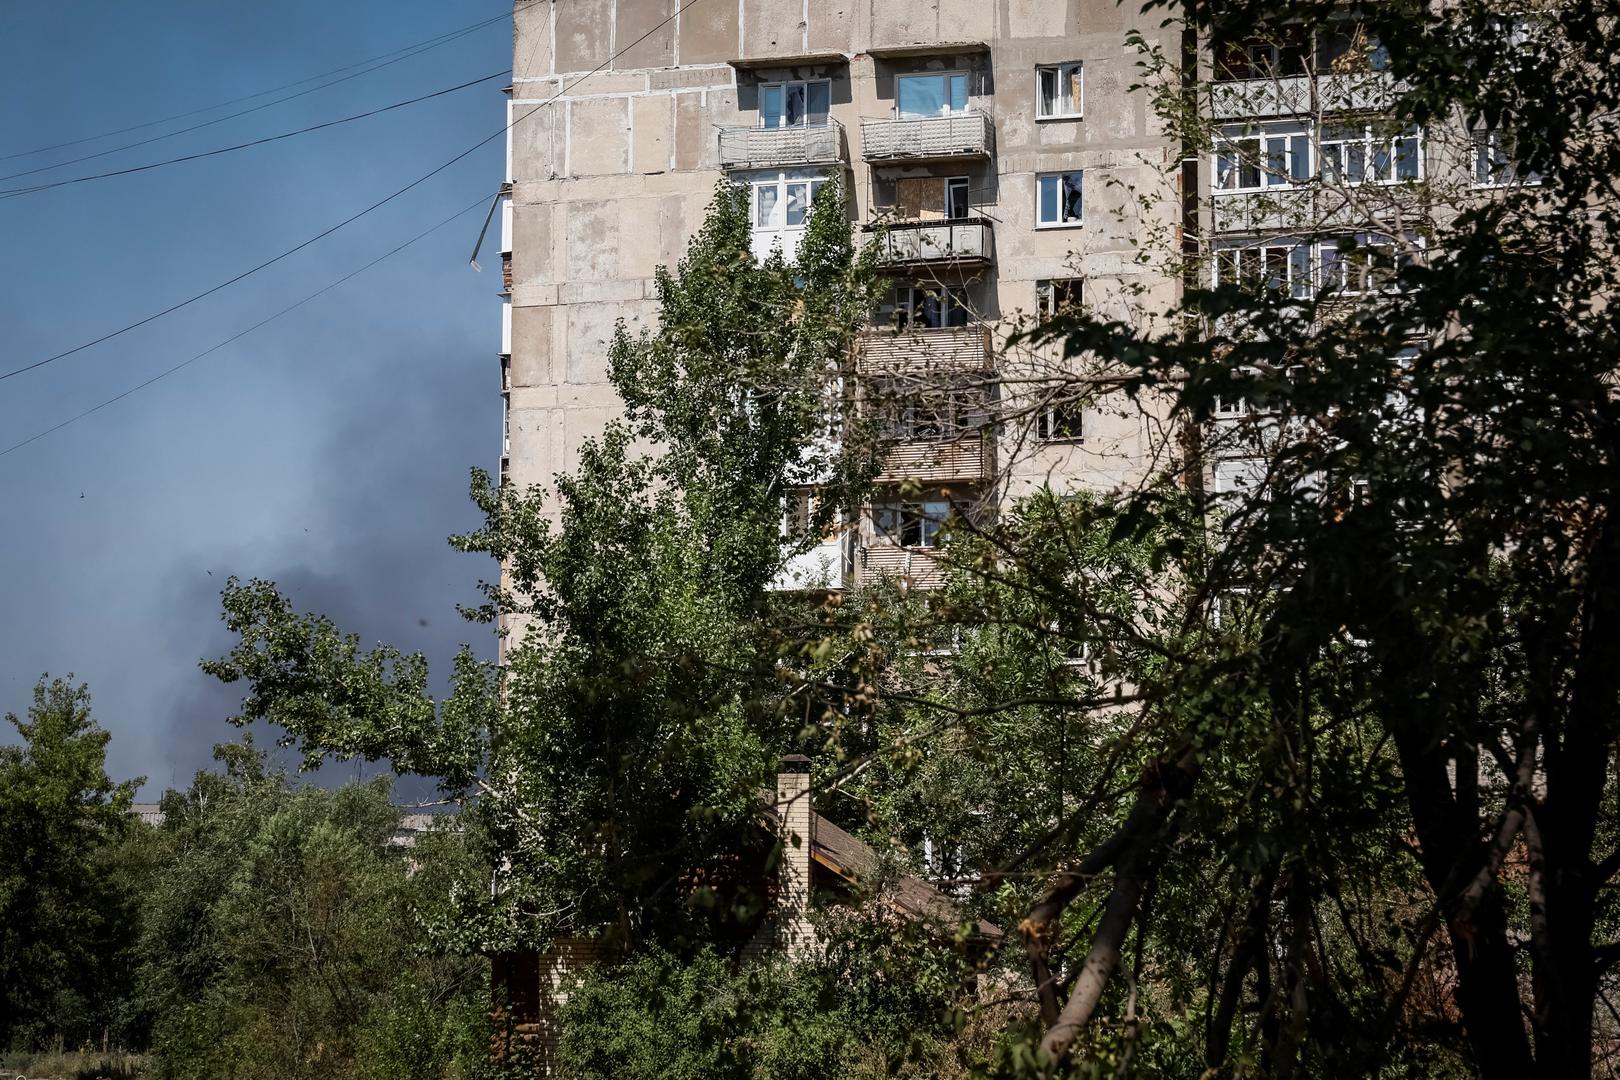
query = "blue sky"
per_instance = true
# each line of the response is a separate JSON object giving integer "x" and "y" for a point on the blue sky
{"x": 329, "y": 450}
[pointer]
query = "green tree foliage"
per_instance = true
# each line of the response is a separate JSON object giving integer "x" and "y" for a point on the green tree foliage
{"x": 283, "y": 935}
{"x": 1374, "y": 833}
{"x": 66, "y": 918}
{"x": 636, "y": 721}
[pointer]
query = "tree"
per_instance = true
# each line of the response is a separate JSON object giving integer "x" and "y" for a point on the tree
{"x": 65, "y": 927}
{"x": 614, "y": 762}
{"x": 285, "y": 934}
{"x": 1379, "y": 751}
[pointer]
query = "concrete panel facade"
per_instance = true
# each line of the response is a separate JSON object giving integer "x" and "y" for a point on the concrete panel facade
{"x": 611, "y": 179}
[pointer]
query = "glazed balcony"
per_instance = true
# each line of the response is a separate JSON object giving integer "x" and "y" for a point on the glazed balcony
{"x": 967, "y": 134}
{"x": 783, "y": 147}
{"x": 959, "y": 242}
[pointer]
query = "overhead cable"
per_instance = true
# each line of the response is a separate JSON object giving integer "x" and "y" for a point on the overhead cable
{"x": 10, "y": 193}
{"x": 409, "y": 50}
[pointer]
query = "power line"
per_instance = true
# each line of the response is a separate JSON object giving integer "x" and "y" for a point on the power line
{"x": 420, "y": 46}
{"x": 221, "y": 119}
{"x": 480, "y": 144}
{"x": 14, "y": 192}
{"x": 244, "y": 333}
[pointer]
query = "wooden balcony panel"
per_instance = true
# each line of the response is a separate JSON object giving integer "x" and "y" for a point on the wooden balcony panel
{"x": 953, "y": 349}
{"x": 942, "y": 460}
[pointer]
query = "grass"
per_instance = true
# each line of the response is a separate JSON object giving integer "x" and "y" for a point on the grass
{"x": 81, "y": 1066}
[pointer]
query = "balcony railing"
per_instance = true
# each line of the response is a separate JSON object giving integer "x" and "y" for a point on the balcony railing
{"x": 1303, "y": 95}
{"x": 920, "y": 567}
{"x": 952, "y": 349}
{"x": 782, "y": 147}
{"x": 911, "y": 243}
{"x": 928, "y": 138}
{"x": 938, "y": 460}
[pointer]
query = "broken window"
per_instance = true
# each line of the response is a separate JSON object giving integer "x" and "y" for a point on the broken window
{"x": 794, "y": 104}
{"x": 1058, "y": 422}
{"x": 1058, "y": 91}
{"x": 927, "y": 307}
{"x": 911, "y": 523}
{"x": 1057, "y": 294}
{"x": 924, "y": 198}
{"x": 1059, "y": 201}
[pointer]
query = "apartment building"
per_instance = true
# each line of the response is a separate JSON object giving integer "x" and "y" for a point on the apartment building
{"x": 1005, "y": 157}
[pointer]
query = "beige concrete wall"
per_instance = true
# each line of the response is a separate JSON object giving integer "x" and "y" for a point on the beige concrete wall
{"x": 611, "y": 174}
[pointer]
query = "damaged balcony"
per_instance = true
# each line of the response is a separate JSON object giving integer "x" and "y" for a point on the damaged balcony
{"x": 783, "y": 147}
{"x": 916, "y": 139}
{"x": 960, "y": 242}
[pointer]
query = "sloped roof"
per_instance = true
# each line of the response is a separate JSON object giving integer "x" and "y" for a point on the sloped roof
{"x": 852, "y": 859}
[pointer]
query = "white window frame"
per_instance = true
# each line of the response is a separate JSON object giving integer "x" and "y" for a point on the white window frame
{"x": 783, "y": 85}
{"x": 1060, "y": 422}
{"x": 1494, "y": 164}
{"x": 948, "y": 77}
{"x": 1370, "y": 146}
{"x": 1275, "y": 156}
{"x": 1254, "y": 262}
{"x": 952, "y": 298}
{"x": 1040, "y": 188}
{"x": 1062, "y": 74}
{"x": 1364, "y": 285}
{"x": 904, "y": 511}
{"x": 1046, "y": 291}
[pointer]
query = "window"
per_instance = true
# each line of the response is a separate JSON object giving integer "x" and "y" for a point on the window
{"x": 1055, "y": 295}
{"x": 1359, "y": 156}
{"x": 1367, "y": 262}
{"x": 1059, "y": 201}
{"x": 781, "y": 210}
{"x": 929, "y": 307}
{"x": 1059, "y": 91}
{"x": 1495, "y": 163}
{"x": 1279, "y": 266}
{"x": 923, "y": 198}
{"x": 784, "y": 203}
{"x": 1058, "y": 422}
{"x": 918, "y": 96}
{"x": 1228, "y": 405}
{"x": 794, "y": 104}
{"x": 911, "y": 523}
{"x": 1272, "y": 158}
{"x": 910, "y": 413}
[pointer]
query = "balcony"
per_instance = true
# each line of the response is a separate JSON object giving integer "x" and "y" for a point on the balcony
{"x": 962, "y": 242}
{"x": 919, "y": 566}
{"x": 928, "y": 138}
{"x": 1303, "y": 95}
{"x": 1273, "y": 209}
{"x": 908, "y": 352}
{"x": 936, "y": 461}
{"x": 782, "y": 147}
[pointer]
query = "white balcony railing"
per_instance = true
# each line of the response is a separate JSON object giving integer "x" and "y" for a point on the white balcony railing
{"x": 910, "y": 243}
{"x": 928, "y": 138}
{"x": 782, "y": 147}
{"x": 1303, "y": 95}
